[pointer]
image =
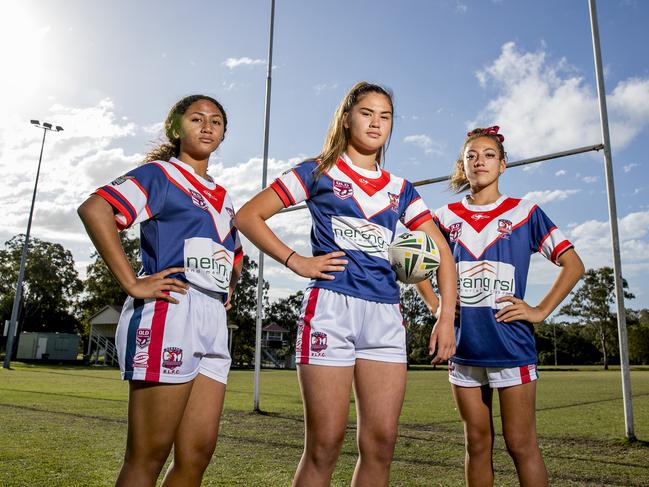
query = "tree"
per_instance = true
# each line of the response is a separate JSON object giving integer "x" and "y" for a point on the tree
{"x": 419, "y": 324}
{"x": 286, "y": 312}
{"x": 573, "y": 345}
{"x": 50, "y": 287}
{"x": 100, "y": 287}
{"x": 592, "y": 304}
{"x": 639, "y": 337}
{"x": 243, "y": 313}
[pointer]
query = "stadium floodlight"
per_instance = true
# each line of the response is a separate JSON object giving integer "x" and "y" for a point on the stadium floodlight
{"x": 46, "y": 126}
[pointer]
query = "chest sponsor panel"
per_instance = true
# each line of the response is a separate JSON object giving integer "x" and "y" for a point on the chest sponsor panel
{"x": 208, "y": 264}
{"x": 359, "y": 234}
{"x": 481, "y": 283}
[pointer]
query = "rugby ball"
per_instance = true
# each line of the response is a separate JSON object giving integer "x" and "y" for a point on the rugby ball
{"x": 413, "y": 256}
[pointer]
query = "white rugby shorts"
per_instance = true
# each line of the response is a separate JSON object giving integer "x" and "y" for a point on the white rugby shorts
{"x": 158, "y": 341}
{"x": 336, "y": 329}
{"x": 472, "y": 376}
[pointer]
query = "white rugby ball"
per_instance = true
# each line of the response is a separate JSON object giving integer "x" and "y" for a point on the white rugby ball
{"x": 413, "y": 256}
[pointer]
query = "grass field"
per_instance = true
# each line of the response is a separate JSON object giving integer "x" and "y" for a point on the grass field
{"x": 66, "y": 426}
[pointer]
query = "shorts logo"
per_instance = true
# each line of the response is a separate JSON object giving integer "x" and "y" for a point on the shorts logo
{"x": 172, "y": 357}
{"x": 198, "y": 199}
{"x": 394, "y": 202}
{"x": 143, "y": 337}
{"x": 141, "y": 360}
{"x": 455, "y": 231}
{"x": 505, "y": 228}
{"x": 343, "y": 190}
{"x": 318, "y": 341}
{"x": 120, "y": 180}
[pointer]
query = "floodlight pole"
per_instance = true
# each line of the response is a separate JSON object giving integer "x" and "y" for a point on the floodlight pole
{"x": 23, "y": 258}
{"x": 615, "y": 238}
{"x": 264, "y": 177}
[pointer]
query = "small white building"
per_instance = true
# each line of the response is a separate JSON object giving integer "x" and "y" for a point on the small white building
{"x": 47, "y": 346}
{"x": 103, "y": 326}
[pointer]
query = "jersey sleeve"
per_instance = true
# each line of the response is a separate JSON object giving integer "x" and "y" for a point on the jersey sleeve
{"x": 546, "y": 238}
{"x": 437, "y": 219}
{"x": 136, "y": 196}
{"x": 415, "y": 211}
{"x": 294, "y": 186}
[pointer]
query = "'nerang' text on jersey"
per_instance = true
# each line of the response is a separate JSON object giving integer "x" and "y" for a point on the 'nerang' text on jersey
{"x": 492, "y": 246}
{"x": 185, "y": 221}
{"x": 358, "y": 214}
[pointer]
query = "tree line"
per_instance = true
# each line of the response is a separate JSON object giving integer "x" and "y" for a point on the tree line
{"x": 55, "y": 299}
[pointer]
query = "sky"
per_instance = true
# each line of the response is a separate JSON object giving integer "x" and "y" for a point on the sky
{"x": 108, "y": 72}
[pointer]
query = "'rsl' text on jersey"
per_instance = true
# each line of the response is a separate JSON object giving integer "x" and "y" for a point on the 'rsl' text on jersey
{"x": 481, "y": 283}
{"x": 359, "y": 234}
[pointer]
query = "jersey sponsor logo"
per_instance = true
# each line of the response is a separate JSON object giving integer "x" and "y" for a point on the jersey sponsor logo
{"x": 318, "y": 341}
{"x": 143, "y": 337}
{"x": 479, "y": 216}
{"x": 121, "y": 180}
{"x": 505, "y": 228}
{"x": 198, "y": 199}
{"x": 359, "y": 234}
{"x": 481, "y": 283}
{"x": 455, "y": 231}
{"x": 172, "y": 357}
{"x": 342, "y": 189}
{"x": 394, "y": 202}
{"x": 208, "y": 264}
{"x": 140, "y": 360}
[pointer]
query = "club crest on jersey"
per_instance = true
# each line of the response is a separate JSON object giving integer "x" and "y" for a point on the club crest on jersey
{"x": 143, "y": 337}
{"x": 140, "y": 360}
{"x": 394, "y": 202}
{"x": 342, "y": 189}
{"x": 198, "y": 199}
{"x": 318, "y": 341}
{"x": 504, "y": 228}
{"x": 120, "y": 180}
{"x": 172, "y": 357}
{"x": 455, "y": 230}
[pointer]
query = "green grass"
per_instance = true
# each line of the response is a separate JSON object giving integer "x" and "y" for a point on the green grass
{"x": 66, "y": 426}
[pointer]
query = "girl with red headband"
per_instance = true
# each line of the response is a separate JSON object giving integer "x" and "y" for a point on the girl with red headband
{"x": 493, "y": 237}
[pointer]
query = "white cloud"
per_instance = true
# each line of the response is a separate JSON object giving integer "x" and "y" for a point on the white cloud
{"x": 544, "y": 106}
{"x": 560, "y": 172}
{"x": 542, "y": 197}
{"x": 590, "y": 179}
{"x": 320, "y": 87}
{"x": 233, "y": 63}
{"x": 629, "y": 167}
{"x": 424, "y": 142}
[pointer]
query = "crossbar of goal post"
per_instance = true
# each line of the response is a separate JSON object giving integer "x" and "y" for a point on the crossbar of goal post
{"x": 522, "y": 162}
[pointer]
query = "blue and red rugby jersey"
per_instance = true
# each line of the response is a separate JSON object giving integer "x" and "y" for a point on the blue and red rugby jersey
{"x": 492, "y": 246}
{"x": 356, "y": 211}
{"x": 185, "y": 221}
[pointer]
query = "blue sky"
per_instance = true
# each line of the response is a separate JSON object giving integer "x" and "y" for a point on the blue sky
{"x": 109, "y": 71}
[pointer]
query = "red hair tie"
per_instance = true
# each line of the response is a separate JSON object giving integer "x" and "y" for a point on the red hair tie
{"x": 487, "y": 131}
